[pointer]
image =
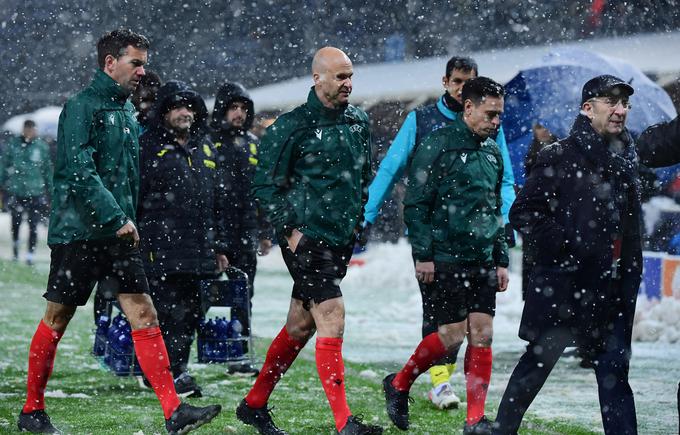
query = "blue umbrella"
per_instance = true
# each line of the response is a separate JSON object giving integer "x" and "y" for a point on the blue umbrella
{"x": 550, "y": 94}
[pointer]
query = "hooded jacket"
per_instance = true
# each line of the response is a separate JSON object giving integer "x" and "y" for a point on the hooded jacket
{"x": 181, "y": 200}
{"x": 237, "y": 156}
{"x": 227, "y": 94}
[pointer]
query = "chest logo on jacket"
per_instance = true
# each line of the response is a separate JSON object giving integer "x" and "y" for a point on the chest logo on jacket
{"x": 112, "y": 119}
{"x": 491, "y": 158}
{"x": 463, "y": 157}
{"x": 319, "y": 132}
{"x": 356, "y": 128}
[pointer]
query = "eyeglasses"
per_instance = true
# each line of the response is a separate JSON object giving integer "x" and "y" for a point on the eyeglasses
{"x": 613, "y": 102}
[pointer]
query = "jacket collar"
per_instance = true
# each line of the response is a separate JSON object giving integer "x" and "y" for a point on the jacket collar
{"x": 451, "y": 104}
{"x": 108, "y": 88}
{"x": 315, "y": 104}
{"x": 469, "y": 134}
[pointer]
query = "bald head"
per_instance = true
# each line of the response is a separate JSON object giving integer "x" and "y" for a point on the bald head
{"x": 332, "y": 73}
{"x": 327, "y": 57}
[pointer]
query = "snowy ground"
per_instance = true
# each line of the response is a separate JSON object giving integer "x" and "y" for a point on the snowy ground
{"x": 383, "y": 326}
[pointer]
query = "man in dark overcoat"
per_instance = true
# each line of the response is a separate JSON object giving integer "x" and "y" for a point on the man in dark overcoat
{"x": 579, "y": 212}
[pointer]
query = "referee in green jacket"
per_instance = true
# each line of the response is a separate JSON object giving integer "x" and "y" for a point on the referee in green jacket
{"x": 453, "y": 212}
{"x": 312, "y": 181}
{"x": 93, "y": 235}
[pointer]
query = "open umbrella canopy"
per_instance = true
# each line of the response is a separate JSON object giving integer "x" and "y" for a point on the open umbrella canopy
{"x": 550, "y": 94}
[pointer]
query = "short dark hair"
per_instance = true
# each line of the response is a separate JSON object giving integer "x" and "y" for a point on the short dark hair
{"x": 115, "y": 42}
{"x": 478, "y": 88}
{"x": 29, "y": 123}
{"x": 465, "y": 64}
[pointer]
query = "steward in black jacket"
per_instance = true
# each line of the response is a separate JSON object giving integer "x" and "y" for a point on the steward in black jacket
{"x": 182, "y": 240}
{"x": 237, "y": 156}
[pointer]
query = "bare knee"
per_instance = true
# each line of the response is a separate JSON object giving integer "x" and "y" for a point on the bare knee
{"x": 300, "y": 323}
{"x": 300, "y": 332}
{"x": 452, "y": 335}
{"x": 480, "y": 329}
{"x": 329, "y": 317}
{"x": 139, "y": 310}
{"x": 481, "y": 336}
{"x": 58, "y": 316}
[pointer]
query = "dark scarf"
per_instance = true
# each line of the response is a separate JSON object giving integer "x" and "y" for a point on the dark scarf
{"x": 452, "y": 103}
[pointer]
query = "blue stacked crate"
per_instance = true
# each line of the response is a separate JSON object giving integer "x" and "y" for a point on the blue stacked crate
{"x": 113, "y": 346}
{"x": 220, "y": 340}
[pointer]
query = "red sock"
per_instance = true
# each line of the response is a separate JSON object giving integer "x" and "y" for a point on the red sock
{"x": 40, "y": 363}
{"x": 477, "y": 376}
{"x": 281, "y": 354}
{"x": 331, "y": 370}
{"x": 155, "y": 363}
{"x": 430, "y": 350}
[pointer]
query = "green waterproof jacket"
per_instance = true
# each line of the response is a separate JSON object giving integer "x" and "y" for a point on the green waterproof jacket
{"x": 452, "y": 205}
{"x": 314, "y": 170}
{"x": 96, "y": 173}
{"x": 26, "y": 168}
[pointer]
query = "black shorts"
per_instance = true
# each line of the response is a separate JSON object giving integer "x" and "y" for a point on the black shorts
{"x": 76, "y": 267}
{"x": 458, "y": 291}
{"x": 316, "y": 269}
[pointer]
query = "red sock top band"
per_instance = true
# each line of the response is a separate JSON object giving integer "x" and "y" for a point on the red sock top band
{"x": 146, "y": 333}
{"x": 329, "y": 343}
{"x": 49, "y": 333}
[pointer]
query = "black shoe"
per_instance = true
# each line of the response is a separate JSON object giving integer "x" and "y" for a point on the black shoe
{"x": 36, "y": 422}
{"x": 396, "y": 402}
{"x": 356, "y": 426}
{"x": 259, "y": 418}
{"x": 187, "y": 418}
{"x": 185, "y": 386}
{"x": 245, "y": 370}
{"x": 482, "y": 427}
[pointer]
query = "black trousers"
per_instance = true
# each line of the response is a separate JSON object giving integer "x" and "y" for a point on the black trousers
{"x": 611, "y": 371}
{"x": 31, "y": 206}
{"x": 178, "y": 304}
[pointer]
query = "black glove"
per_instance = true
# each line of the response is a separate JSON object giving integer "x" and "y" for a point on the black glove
{"x": 509, "y": 236}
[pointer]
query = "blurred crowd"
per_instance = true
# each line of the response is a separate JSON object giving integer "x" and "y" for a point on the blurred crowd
{"x": 276, "y": 38}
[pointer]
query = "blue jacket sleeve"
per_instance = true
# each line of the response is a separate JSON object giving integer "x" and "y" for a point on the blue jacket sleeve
{"x": 508, "y": 185}
{"x": 391, "y": 168}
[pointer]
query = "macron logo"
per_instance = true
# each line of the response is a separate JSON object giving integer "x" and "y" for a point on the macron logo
{"x": 319, "y": 132}
{"x": 463, "y": 157}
